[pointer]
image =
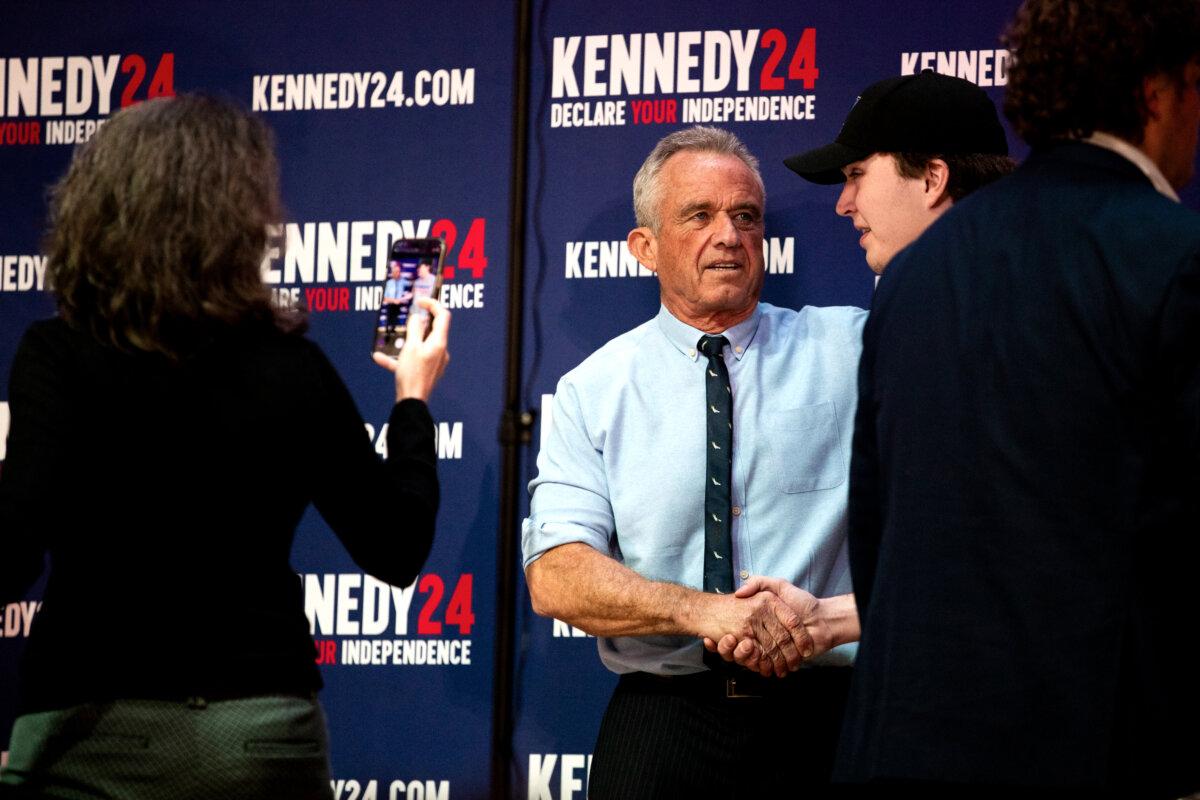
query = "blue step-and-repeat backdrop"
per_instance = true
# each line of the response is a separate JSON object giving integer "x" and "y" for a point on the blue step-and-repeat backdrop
{"x": 394, "y": 119}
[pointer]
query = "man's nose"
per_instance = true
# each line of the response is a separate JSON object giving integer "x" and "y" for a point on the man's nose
{"x": 845, "y": 203}
{"x": 727, "y": 231}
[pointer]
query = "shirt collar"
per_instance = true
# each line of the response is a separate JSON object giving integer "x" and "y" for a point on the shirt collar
{"x": 683, "y": 337}
{"x": 1139, "y": 159}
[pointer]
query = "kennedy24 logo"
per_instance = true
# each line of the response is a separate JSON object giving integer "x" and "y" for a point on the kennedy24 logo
{"x": 162, "y": 82}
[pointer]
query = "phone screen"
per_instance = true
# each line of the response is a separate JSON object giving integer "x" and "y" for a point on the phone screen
{"x": 414, "y": 270}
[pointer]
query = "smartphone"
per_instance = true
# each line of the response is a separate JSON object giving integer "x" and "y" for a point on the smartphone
{"x": 414, "y": 270}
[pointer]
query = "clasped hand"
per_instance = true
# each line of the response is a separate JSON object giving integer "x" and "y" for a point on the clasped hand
{"x": 780, "y": 629}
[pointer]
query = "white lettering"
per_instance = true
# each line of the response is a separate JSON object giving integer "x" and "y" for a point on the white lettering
{"x": 593, "y": 64}
{"x": 449, "y": 440}
{"x": 346, "y": 604}
{"x": 717, "y": 51}
{"x": 376, "y": 606}
{"x": 359, "y": 250}
{"x": 51, "y": 107}
{"x": 541, "y": 770}
{"x": 659, "y": 63}
{"x": 331, "y": 250}
{"x": 319, "y": 602}
{"x": 981, "y": 67}
{"x": 429, "y": 790}
{"x": 743, "y": 53}
{"x": 345, "y": 90}
{"x": 563, "y": 69}
{"x": 259, "y": 94}
{"x": 563, "y": 630}
{"x": 462, "y": 295}
{"x": 625, "y": 65}
{"x": 541, "y": 774}
{"x": 105, "y": 71}
{"x": 687, "y": 61}
{"x": 649, "y": 63}
{"x": 22, "y": 86}
{"x": 572, "y": 260}
{"x": 354, "y": 604}
{"x": 402, "y": 599}
{"x": 779, "y": 255}
{"x": 5, "y": 420}
{"x": 568, "y": 783}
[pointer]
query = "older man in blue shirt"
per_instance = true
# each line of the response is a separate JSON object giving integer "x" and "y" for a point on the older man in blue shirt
{"x": 616, "y": 541}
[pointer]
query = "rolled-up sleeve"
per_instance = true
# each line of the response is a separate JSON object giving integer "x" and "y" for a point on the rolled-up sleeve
{"x": 570, "y": 496}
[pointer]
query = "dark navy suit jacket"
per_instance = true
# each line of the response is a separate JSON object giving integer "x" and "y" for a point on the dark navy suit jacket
{"x": 1025, "y": 491}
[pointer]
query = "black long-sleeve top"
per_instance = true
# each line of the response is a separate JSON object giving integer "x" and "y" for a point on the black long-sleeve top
{"x": 167, "y": 496}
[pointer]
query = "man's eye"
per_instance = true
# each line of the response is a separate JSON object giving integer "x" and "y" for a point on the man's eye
{"x": 700, "y": 216}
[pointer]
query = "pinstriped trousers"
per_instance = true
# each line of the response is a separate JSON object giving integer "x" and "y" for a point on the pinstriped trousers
{"x": 681, "y": 737}
{"x": 254, "y": 747}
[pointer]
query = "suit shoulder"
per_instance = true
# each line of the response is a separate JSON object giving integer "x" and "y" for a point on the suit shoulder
{"x": 1180, "y": 220}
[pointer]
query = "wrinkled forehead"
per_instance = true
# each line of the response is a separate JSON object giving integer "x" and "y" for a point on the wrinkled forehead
{"x": 693, "y": 175}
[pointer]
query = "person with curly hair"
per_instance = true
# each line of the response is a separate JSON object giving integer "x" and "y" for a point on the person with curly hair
{"x": 171, "y": 657}
{"x": 1025, "y": 478}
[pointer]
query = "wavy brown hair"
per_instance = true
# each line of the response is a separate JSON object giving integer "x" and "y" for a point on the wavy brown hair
{"x": 1078, "y": 65}
{"x": 159, "y": 227}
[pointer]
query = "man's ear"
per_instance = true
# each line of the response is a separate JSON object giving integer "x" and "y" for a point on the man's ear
{"x": 937, "y": 181}
{"x": 644, "y": 246}
{"x": 1154, "y": 87}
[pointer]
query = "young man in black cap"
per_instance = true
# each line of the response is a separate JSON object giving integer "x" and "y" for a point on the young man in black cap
{"x": 911, "y": 147}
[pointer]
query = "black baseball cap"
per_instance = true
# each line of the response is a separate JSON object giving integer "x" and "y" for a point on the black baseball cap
{"x": 923, "y": 113}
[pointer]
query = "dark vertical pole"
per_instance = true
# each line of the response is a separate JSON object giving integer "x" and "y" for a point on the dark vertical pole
{"x": 515, "y": 424}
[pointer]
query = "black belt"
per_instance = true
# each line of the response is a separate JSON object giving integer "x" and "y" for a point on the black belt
{"x": 738, "y": 684}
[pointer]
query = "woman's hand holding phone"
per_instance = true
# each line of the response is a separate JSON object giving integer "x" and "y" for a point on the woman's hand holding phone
{"x": 423, "y": 358}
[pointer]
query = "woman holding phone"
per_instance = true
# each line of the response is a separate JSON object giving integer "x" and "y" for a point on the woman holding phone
{"x": 169, "y": 427}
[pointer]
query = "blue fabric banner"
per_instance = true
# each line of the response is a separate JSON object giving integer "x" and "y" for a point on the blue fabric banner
{"x": 393, "y": 120}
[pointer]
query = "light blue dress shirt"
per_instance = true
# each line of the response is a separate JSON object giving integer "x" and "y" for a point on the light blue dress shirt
{"x": 623, "y": 468}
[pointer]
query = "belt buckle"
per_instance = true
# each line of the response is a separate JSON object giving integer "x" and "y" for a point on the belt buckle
{"x": 731, "y": 690}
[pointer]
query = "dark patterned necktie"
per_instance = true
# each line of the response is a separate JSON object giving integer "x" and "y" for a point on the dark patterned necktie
{"x": 718, "y": 545}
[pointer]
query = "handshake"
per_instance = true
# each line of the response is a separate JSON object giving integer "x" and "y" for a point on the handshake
{"x": 771, "y": 627}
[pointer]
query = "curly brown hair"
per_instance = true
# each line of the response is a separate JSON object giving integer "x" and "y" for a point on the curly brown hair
{"x": 158, "y": 229}
{"x": 1077, "y": 65}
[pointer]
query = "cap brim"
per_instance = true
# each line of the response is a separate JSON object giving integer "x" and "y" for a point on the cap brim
{"x": 824, "y": 165}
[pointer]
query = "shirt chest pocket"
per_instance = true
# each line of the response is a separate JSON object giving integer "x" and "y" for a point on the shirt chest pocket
{"x": 806, "y": 453}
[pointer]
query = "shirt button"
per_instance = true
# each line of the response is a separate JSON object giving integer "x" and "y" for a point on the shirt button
{"x": 737, "y": 511}
{"x": 692, "y": 353}
{"x": 744, "y": 574}
{"x": 737, "y": 350}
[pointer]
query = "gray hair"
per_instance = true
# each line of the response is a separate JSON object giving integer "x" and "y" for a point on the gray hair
{"x": 647, "y": 191}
